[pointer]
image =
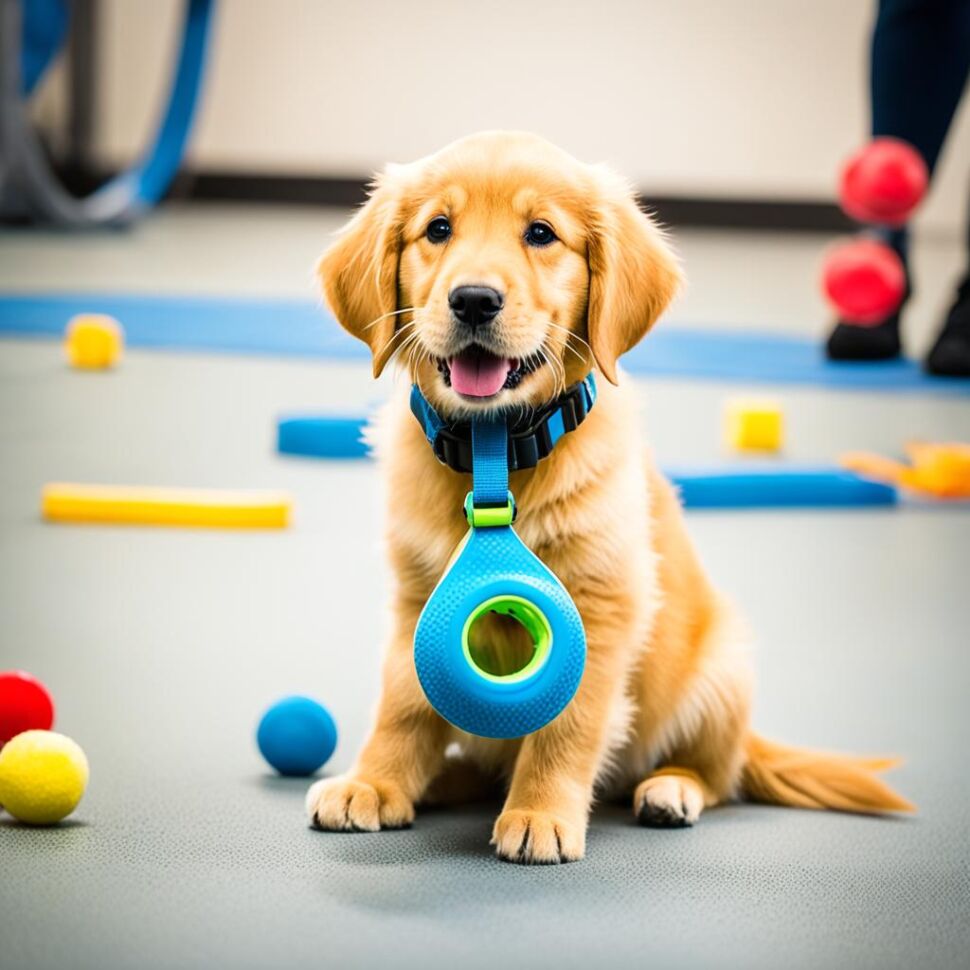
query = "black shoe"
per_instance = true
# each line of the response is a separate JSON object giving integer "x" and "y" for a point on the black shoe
{"x": 850, "y": 342}
{"x": 950, "y": 356}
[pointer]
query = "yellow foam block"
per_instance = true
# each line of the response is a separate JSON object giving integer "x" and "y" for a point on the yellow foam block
{"x": 148, "y": 505}
{"x": 754, "y": 425}
{"x": 93, "y": 341}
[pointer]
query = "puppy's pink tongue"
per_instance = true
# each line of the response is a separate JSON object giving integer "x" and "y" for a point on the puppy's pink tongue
{"x": 479, "y": 375}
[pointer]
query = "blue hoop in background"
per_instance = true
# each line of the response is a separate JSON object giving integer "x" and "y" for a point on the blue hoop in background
{"x": 45, "y": 26}
{"x": 492, "y": 571}
{"x": 24, "y": 170}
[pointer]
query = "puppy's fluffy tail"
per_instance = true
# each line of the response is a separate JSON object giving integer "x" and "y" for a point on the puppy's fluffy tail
{"x": 779, "y": 775}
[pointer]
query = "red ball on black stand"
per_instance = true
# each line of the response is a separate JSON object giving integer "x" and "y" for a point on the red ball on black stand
{"x": 882, "y": 184}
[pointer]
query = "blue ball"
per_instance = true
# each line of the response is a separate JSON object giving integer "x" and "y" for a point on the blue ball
{"x": 296, "y": 735}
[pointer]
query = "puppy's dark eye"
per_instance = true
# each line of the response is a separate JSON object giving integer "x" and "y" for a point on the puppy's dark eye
{"x": 439, "y": 229}
{"x": 540, "y": 234}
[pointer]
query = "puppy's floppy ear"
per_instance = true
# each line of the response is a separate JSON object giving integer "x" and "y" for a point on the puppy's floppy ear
{"x": 633, "y": 274}
{"x": 359, "y": 272}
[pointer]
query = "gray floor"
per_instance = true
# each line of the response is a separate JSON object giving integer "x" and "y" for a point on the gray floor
{"x": 163, "y": 646}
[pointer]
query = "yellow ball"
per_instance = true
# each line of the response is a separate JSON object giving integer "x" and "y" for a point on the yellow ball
{"x": 42, "y": 777}
{"x": 93, "y": 341}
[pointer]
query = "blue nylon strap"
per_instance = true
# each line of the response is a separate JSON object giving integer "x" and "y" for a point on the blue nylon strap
{"x": 490, "y": 462}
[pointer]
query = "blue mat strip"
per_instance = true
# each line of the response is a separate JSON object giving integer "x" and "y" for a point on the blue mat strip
{"x": 322, "y": 436}
{"x": 776, "y": 486}
{"x": 301, "y": 328}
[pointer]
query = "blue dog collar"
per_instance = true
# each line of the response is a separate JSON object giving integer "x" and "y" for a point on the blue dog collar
{"x": 529, "y": 439}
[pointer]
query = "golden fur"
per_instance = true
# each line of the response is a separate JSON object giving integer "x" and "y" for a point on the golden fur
{"x": 662, "y": 710}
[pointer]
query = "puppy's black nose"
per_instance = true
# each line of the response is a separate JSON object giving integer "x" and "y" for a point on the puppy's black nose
{"x": 475, "y": 305}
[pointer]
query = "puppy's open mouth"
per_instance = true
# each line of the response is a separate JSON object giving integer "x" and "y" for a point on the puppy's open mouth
{"x": 476, "y": 372}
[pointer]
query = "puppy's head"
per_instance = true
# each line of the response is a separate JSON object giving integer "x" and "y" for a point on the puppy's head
{"x": 498, "y": 271}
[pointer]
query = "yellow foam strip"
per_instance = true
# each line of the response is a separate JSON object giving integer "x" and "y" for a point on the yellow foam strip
{"x": 149, "y": 505}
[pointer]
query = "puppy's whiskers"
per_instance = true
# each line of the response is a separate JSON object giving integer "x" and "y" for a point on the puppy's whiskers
{"x": 411, "y": 341}
{"x": 558, "y": 371}
{"x": 406, "y": 331}
{"x": 572, "y": 336}
{"x": 392, "y": 313}
{"x": 411, "y": 365}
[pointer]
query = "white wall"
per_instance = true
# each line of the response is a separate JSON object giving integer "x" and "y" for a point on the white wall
{"x": 694, "y": 97}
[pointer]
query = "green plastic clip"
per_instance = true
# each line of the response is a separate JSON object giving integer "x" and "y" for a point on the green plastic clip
{"x": 489, "y": 516}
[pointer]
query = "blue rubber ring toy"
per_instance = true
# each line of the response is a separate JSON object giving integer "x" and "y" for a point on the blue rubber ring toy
{"x": 492, "y": 570}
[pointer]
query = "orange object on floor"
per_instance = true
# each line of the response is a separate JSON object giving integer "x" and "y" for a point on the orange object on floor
{"x": 941, "y": 470}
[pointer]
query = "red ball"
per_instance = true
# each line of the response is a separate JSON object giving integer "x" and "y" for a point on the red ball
{"x": 864, "y": 280}
{"x": 25, "y": 705}
{"x": 883, "y": 183}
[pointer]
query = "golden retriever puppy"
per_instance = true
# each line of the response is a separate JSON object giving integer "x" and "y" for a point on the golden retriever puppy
{"x": 498, "y": 272}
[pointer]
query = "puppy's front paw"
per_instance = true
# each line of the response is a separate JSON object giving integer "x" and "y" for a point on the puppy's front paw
{"x": 534, "y": 837}
{"x": 352, "y": 805}
{"x": 668, "y": 802}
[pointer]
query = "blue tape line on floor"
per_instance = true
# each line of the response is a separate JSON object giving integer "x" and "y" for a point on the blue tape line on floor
{"x": 301, "y": 328}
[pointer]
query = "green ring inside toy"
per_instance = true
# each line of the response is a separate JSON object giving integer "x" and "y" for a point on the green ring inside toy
{"x": 529, "y": 616}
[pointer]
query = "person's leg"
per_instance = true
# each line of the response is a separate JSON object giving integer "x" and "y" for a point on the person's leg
{"x": 950, "y": 355}
{"x": 919, "y": 64}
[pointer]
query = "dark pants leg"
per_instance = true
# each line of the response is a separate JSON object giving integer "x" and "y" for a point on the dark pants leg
{"x": 919, "y": 67}
{"x": 920, "y": 60}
